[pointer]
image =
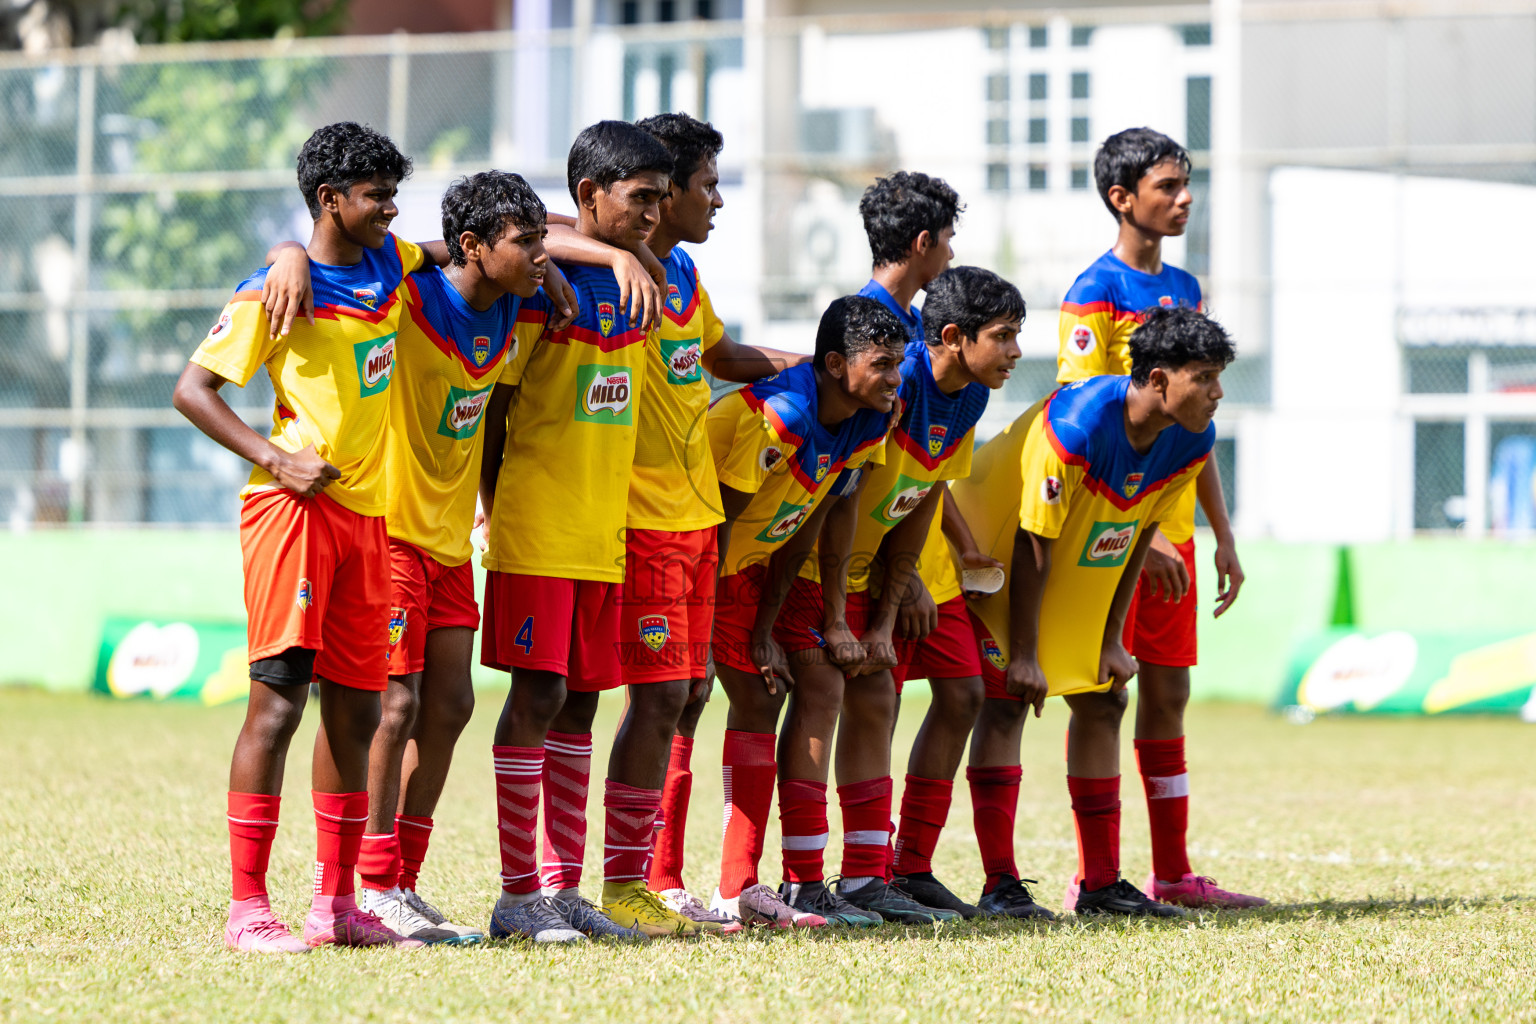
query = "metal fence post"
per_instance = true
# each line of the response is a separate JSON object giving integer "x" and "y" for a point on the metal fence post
{"x": 80, "y": 324}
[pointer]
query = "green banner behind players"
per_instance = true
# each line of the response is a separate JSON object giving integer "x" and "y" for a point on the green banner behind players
{"x": 166, "y": 659}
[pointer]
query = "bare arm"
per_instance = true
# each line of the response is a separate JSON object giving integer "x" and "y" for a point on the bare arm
{"x": 783, "y": 566}
{"x": 498, "y": 407}
{"x": 1116, "y": 666}
{"x": 730, "y": 360}
{"x": 899, "y": 554}
{"x": 1028, "y": 575}
{"x": 958, "y": 532}
{"x": 639, "y": 295}
{"x": 1229, "y": 571}
{"x": 732, "y": 503}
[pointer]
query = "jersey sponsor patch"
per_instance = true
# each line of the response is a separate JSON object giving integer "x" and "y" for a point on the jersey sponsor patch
{"x": 993, "y": 654}
{"x": 905, "y": 495}
{"x": 1082, "y": 340}
{"x": 220, "y": 328}
{"x": 1132, "y": 484}
{"x": 674, "y": 298}
{"x": 1050, "y": 490}
{"x": 604, "y": 393}
{"x": 605, "y": 317}
{"x": 396, "y": 630}
{"x": 1108, "y": 545}
{"x": 683, "y": 359}
{"x": 462, "y": 412}
{"x": 306, "y": 595}
{"x": 655, "y": 631}
{"x": 785, "y": 522}
{"x": 482, "y": 349}
{"x": 936, "y": 434}
{"x": 375, "y": 364}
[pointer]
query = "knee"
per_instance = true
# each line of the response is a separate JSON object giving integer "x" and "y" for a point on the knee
{"x": 539, "y": 700}
{"x": 871, "y": 701}
{"x": 958, "y": 702}
{"x": 456, "y": 709}
{"x": 398, "y": 708}
{"x": 660, "y": 704}
{"x": 1101, "y": 710}
{"x": 274, "y": 722}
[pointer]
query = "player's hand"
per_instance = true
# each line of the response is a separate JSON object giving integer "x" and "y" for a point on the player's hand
{"x": 1025, "y": 681}
{"x": 1165, "y": 572}
{"x": 772, "y": 664}
{"x": 918, "y": 615}
{"x": 974, "y": 559}
{"x": 1229, "y": 577}
{"x": 1116, "y": 666}
{"x": 560, "y": 295}
{"x": 639, "y": 295}
{"x": 288, "y": 291}
{"x": 700, "y": 689}
{"x": 879, "y": 652}
{"x": 476, "y": 533}
{"x": 304, "y": 472}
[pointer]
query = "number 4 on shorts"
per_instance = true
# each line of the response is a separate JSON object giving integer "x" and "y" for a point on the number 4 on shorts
{"x": 524, "y": 638}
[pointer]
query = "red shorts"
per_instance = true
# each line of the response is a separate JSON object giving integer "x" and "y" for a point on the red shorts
{"x": 317, "y": 577}
{"x": 1159, "y": 632}
{"x": 993, "y": 659}
{"x": 949, "y": 652}
{"x": 668, "y": 605}
{"x": 736, "y": 599}
{"x": 552, "y": 624}
{"x": 424, "y": 595}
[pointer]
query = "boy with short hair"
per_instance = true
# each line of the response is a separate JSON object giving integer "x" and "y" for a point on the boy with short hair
{"x": 783, "y": 447}
{"x": 312, "y": 530}
{"x": 1101, "y": 463}
{"x": 1143, "y": 179}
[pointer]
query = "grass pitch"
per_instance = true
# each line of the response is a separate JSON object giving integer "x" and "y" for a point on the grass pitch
{"x": 1397, "y": 853}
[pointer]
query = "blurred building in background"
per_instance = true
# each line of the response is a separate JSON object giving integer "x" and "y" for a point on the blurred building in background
{"x": 1365, "y": 181}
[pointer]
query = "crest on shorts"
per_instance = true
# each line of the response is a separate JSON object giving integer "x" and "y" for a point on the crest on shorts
{"x": 936, "y": 434}
{"x": 993, "y": 654}
{"x": 1132, "y": 484}
{"x": 396, "y": 629}
{"x": 655, "y": 631}
{"x": 482, "y": 349}
{"x": 605, "y": 317}
{"x": 306, "y": 596}
{"x": 674, "y": 298}
{"x": 823, "y": 463}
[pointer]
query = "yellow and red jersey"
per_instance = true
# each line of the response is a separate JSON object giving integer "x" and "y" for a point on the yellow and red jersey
{"x": 331, "y": 380}
{"x": 450, "y": 355}
{"x": 1103, "y": 308}
{"x": 1077, "y": 481}
{"x": 768, "y": 442}
{"x": 674, "y": 486}
{"x": 563, "y": 489}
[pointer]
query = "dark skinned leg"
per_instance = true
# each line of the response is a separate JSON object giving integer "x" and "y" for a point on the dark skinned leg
{"x": 805, "y": 745}
{"x": 348, "y": 720}
{"x": 998, "y": 734}
{"x": 1093, "y": 735}
{"x": 261, "y": 749}
{"x": 534, "y": 699}
{"x": 940, "y": 743}
{"x": 752, "y": 707}
{"x": 643, "y": 743}
{"x": 447, "y": 702}
{"x": 1162, "y": 694}
{"x": 864, "y": 730}
{"x": 688, "y": 724}
{"x": 399, "y": 706}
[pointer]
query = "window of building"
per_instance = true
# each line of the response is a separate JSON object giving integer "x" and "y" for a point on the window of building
{"x": 1037, "y": 85}
{"x": 1196, "y": 35}
{"x": 997, "y": 38}
{"x": 1039, "y": 37}
{"x": 1079, "y": 129}
{"x": 997, "y": 131}
{"x": 997, "y": 177}
{"x": 1037, "y": 177}
{"x": 1037, "y": 129}
{"x": 1079, "y": 85}
{"x": 666, "y": 10}
{"x": 704, "y": 10}
{"x": 1081, "y": 34}
{"x": 1197, "y": 113}
{"x": 997, "y": 87}
{"x": 1080, "y": 176}
{"x": 629, "y": 12}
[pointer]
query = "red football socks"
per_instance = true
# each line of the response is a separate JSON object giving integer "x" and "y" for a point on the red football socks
{"x": 994, "y": 802}
{"x": 567, "y": 773}
{"x": 666, "y": 871}
{"x": 414, "y": 832}
{"x": 747, "y": 768}
{"x": 1165, "y": 777}
{"x": 519, "y": 771}
{"x": 866, "y": 826}
{"x": 924, "y": 809}
{"x": 629, "y": 817}
{"x": 803, "y": 824}
{"x": 339, "y": 819}
{"x": 252, "y": 826}
{"x": 378, "y": 861}
{"x": 1096, "y": 810}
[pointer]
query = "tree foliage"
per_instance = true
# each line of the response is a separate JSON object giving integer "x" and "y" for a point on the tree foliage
{"x": 187, "y": 21}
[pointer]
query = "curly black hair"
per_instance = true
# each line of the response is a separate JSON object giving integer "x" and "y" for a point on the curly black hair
{"x": 970, "y": 298}
{"x": 341, "y": 155}
{"x": 486, "y": 204}
{"x": 690, "y": 141}
{"x": 899, "y": 208}
{"x": 855, "y": 323}
{"x": 1126, "y": 156}
{"x": 1175, "y": 336}
{"x": 611, "y": 151}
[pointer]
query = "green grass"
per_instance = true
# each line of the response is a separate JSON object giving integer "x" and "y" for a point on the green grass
{"x": 1397, "y": 853}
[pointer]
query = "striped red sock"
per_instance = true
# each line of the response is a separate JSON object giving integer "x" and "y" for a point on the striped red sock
{"x": 1096, "y": 810}
{"x": 994, "y": 802}
{"x": 747, "y": 770}
{"x": 629, "y": 815}
{"x": 414, "y": 832}
{"x": 567, "y": 774}
{"x": 1165, "y": 777}
{"x": 666, "y": 870}
{"x": 866, "y": 826}
{"x": 252, "y": 827}
{"x": 378, "y": 861}
{"x": 339, "y": 820}
{"x": 519, "y": 772}
{"x": 803, "y": 824}
{"x": 924, "y": 809}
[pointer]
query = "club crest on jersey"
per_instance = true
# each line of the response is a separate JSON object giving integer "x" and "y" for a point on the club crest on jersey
{"x": 1082, "y": 339}
{"x": 993, "y": 654}
{"x": 1050, "y": 490}
{"x": 823, "y": 463}
{"x": 655, "y": 631}
{"x": 306, "y": 595}
{"x": 220, "y": 328}
{"x": 1132, "y": 484}
{"x": 1166, "y": 301}
{"x": 605, "y": 317}
{"x": 1108, "y": 545}
{"x": 482, "y": 349}
{"x": 674, "y": 298}
{"x": 605, "y": 394}
{"x": 367, "y": 296}
{"x": 375, "y": 364}
{"x": 396, "y": 629}
{"x": 936, "y": 434}
{"x": 769, "y": 457}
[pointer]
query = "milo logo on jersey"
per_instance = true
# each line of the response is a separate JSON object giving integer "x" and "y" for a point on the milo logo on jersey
{"x": 1108, "y": 545}
{"x": 936, "y": 435}
{"x": 683, "y": 360}
{"x": 674, "y": 298}
{"x": 462, "y": 412}
{"x": 375, "y": 364}
{"x": 605, "y": 318}
{"x": 604, "y": 394}
{"x": 785, "y": 522}
{"x": 905, "y": 496}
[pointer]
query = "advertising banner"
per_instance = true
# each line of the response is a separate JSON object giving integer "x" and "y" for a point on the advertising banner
{"x": 165, "y": 659}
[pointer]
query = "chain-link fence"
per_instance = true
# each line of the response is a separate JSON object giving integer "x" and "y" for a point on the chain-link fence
{"x": 136, "y": 189}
